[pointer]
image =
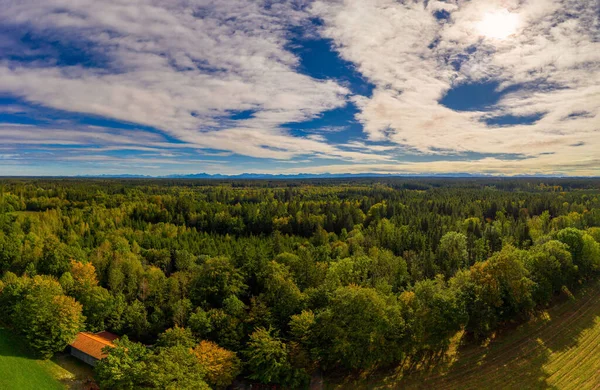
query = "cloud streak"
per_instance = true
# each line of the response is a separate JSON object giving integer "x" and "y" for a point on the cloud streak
{"x": 414, "y": 59}
{"x": 187, "y": 67}
{"x": 182, "y": 67}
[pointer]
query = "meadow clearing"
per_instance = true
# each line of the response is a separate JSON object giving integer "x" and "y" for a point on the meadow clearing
{"x": 21, "y": 370}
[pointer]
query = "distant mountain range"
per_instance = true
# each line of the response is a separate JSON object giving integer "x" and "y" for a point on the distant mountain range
{"x": 301, "y": 176}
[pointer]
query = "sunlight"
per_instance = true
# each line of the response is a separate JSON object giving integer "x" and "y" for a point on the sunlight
{"x": 498, "y": 25}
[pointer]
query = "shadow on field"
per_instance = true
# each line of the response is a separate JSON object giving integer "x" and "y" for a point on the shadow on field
{"x": 75, "y": 374}
{"x": 517, "y": 358}
{"x": 63, "y": 367}
{"x": 12, "y": 345}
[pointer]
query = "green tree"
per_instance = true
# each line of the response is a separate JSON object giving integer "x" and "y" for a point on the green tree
{"x": 130, "y": 365}
{"x": 10, "y": 251}
{"x": 268, "y": 361}
{"x": 226, "y": 330}
{"x": 175, "y": 368}
{"x": 217, "y": 279}
{"x": 496, "y": 290}
{"x": 14, "y": 289}
{"x": 551, "y": 267}
{"x": 181, "y": 311}
{"x": 124, "y": 367}
{"x": 591, "y": 253}
{"x": 48, "y": 319}
{"x": 595, "y": 233}
{"x": 199, "y": 323}
{"x": 359, "y": 329}
{"x": 135, "y": 319}
{"x": 98, "y": 306}
{"x": 280, "y": 292}
{"x": 452, "y": 252}
{"x": 437, "y": 314}
{"x": 388, "y": 268}
{"x": 573, "y": 238}
{"x": 55, "y": 259}
{"x": 351, "y": 270}
{"x": 176, "y": 336}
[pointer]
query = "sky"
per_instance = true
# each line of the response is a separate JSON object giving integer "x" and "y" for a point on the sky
{"x": 154, "y": 87}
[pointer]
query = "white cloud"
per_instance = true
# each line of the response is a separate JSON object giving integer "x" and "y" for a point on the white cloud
{"x": 184, "y": 66}
{"x": 407, "y": 53}
{"x": 180, "y": 66}
{"x": 545, "y": 165}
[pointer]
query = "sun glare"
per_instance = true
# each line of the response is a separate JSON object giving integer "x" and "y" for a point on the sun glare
{"x": 498, "y": 25}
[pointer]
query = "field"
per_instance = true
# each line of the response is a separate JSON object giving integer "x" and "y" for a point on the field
{"x": 19, "y": 370}
{"x": 560, "y": 349}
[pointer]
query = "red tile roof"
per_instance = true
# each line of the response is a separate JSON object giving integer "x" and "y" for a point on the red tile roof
{"x": 92, "y": 344}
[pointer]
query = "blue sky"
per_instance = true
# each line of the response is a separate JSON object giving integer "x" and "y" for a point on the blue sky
{"x": 231, "y": 86}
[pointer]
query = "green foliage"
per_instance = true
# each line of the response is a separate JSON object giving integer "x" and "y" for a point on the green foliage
{"x": 175, "y": 368}
{"x": 359, "y": 329}
{"x": 280, "y": 292}
{"x": 56, "y": 258}
{"x": 131, "y": 365}
{"x": 591, "y": 253}
{"x": 13, "y": 290}
{"x": 389, "y": 269}
{"x": 595, "y": 233}
{"x": 217, "y": 278}
{"x": 98, "y": 307}
{"x": 436, "y": 315}
{"x": 351, "y": 270}
{"x": 48, "y": 319}
{"x": 550, "y": 267}
{"x": 303, "y": 267}
{"x": 199, "y": 323}
{"x": 233, "y": 306}
{"x": 495, "y": 290}
{"x": 135, "y": 320}
{"x": 181, "y": 311}
{"x": 177, "y": 336}
{"x": 125, "y": 366}
{"x": 10, "y": 252}
{"x": 226, "y": 330}
{"x": 344, "y": 273}
{"x": 268, "y": 361}
{"x": 573, "y": 238}
{"x": 301, "y": 326}
{"x": 452, "y": 252}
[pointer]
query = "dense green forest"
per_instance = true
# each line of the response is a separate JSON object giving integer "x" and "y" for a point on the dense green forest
{"x": 271, "y": 280}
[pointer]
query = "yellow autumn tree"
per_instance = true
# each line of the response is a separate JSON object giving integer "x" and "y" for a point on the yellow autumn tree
{"x": 84, "y": 275}
{"x": 222, "y": 366}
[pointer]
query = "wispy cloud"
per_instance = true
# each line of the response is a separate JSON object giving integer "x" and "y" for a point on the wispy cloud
{"x": 182, "y": 69}
{"x": 178, "y": 66}
{"x": 414, "y": 59}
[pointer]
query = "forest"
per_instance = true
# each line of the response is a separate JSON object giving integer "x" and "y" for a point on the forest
{"x": 270, "y": 281}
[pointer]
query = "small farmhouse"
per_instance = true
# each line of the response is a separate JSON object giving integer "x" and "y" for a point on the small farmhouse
{"x": 88, "y": 346}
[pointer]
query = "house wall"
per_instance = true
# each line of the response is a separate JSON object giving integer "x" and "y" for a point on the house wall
{"x": 84, "y": 357}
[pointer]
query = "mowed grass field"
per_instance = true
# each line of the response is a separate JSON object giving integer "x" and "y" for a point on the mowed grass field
{"x": 559, "y": 349}
{"x": 20, "y": 370}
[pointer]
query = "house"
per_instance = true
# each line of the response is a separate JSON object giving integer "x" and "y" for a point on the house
{"x": 87, "y": 347}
